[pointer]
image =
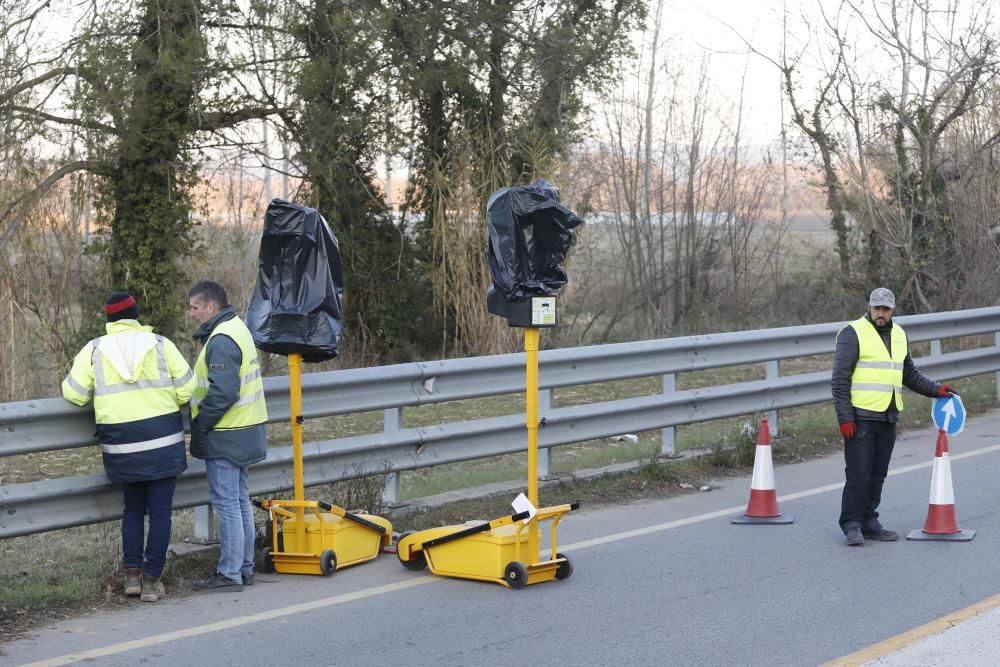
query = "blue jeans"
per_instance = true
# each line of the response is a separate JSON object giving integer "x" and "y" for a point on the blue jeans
{"x": 141, "y": 498}
{"x": 230, "y": 494}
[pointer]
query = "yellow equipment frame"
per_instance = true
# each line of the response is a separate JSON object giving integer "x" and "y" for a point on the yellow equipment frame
{"x": 465, "y": 552}
{"x": 362, "y": 545}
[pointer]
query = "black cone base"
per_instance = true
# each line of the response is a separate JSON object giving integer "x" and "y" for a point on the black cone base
{"x": 920, "y": 536}
{"x": 781, "y": 519}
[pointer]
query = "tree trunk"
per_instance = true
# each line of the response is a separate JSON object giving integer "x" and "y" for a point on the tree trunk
{"x": 150, "y": 224}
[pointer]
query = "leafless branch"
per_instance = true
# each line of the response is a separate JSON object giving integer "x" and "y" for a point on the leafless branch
{"x": 78, "y": 122}
{"x": 23, "y": 204}
{"x": 222, "y": 119}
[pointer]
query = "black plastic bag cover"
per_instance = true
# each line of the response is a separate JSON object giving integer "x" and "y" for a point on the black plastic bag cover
{"x": 296, "y": 304}
{"x": 530, "y": 233}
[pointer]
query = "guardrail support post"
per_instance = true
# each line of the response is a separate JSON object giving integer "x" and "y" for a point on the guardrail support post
{"x": 773, "y": 373}
{"x": 391, "y": 421}
{"x": 204, "y": 526}
{"x": 935, "y": 348}
{"x": 544, "y": 405}
{"x": 668, "y": 435}
{"x": 996, "y": 340}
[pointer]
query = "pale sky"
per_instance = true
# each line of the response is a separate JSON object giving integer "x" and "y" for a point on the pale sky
{"x": 693, "y": 28}
{"x": 720, "y": 27}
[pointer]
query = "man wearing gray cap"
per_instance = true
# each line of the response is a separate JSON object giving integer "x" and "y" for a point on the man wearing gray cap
{"x": 871, "y": 365}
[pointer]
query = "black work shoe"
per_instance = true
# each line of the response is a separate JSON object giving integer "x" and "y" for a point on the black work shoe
{"x": 873, "y": 530}
{"x": 217, "y": 583}
{"x": 247, "y": 579}
{"x": 854, "y": 538}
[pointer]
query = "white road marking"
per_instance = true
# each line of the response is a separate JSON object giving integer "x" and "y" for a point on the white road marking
{"x": 230, "y": 623}
{"x": 411, "y": 583}
{"x": 741, "y": 508}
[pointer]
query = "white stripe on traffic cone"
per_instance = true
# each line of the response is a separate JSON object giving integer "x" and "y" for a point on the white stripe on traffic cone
{"x": 763, "y": 505}
{"x": 941, "y": 523}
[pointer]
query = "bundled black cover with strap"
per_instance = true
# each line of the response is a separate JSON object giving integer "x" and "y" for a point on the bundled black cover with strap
{"x": 296, "y": 304}
{"x": 530, "y": 233}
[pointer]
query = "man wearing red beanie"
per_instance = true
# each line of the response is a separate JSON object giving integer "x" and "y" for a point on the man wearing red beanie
{"x": 137, "y": 381}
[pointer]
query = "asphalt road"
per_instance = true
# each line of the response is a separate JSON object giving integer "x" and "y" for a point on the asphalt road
{"x": 658, "y": 582}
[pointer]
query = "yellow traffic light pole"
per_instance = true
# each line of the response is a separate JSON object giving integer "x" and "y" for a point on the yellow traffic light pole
{"x": 531, "y": 412}
{"x": 295, "y": 400}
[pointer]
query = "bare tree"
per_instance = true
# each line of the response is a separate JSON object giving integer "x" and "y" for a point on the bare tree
{"x": 678, "y": 229}
{"x": 901, "y": 85}
{"x": 124, "y": 98}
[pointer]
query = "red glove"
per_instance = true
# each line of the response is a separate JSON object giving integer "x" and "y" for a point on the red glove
{"x": 847, "y": 430}
{"x": 945, "y": 390}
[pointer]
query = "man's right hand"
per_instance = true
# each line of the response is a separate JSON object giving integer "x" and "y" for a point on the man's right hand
{"x": 847, "y": 429}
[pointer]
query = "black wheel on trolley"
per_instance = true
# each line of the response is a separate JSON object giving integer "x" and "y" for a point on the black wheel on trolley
{"x": 266, "y": 560}
{"x": 565, "y": 569}
{"x": 417, "y": 561}
{"x": 327, "y": 563}
{"x": 515, "y": 574}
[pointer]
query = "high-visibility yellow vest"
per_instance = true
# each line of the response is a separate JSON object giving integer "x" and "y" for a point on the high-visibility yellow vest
{"x": 137, "y": 380}
{"x": 878, "y": 376}
{"x": 249, "y": 409}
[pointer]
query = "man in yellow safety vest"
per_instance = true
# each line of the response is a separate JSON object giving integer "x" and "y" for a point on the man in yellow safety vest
{"x": 227, "y": 428}
{"x": 137, "y": 380}
{"x": 871, "y": 365}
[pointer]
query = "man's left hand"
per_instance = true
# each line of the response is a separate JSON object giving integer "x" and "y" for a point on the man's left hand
{"x": 945, "y": 390}
{"x": 197, "y": 446}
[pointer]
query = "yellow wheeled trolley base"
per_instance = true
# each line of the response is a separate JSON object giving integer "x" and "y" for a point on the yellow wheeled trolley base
{"x": 496, "y": 550}
{"x": 313, "y": 542}
{"x": 305, "y": 540}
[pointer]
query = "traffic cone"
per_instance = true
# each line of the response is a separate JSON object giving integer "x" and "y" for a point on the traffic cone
{"x": 941, "y": 524}
{"x": 763, "y": 505}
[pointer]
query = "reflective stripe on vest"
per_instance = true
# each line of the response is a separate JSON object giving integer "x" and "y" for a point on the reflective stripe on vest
{"x": 877, "y": 375}
{"x": 244, "y": 381}
{"x": 249, "y": 409}
{"x": 77, "y": 387}
{"x": 102, "y": 388}
{"x": 130, "y": 418}
{"x": 145, "y": 445}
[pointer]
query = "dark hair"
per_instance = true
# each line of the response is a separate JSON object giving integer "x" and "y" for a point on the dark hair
{"x": 208, "y": 290}
{"x": 120, "y": 306}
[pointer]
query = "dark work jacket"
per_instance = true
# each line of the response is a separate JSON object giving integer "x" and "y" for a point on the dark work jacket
{"x": 239, "y": 446}
{"x": 844, "y": 360}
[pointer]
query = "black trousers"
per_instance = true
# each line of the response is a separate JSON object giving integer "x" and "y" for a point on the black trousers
{"x": 866, "y": 456}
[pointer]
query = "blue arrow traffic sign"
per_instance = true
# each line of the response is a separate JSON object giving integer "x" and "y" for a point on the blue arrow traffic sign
{"x": 948, "y": 414}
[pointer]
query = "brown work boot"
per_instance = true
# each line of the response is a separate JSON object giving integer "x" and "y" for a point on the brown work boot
{"x": 133, "y": 579}
{"x": 152, "y": 588}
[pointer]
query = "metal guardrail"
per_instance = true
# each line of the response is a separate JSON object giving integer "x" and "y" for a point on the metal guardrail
{"x": 52, "y": 424}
